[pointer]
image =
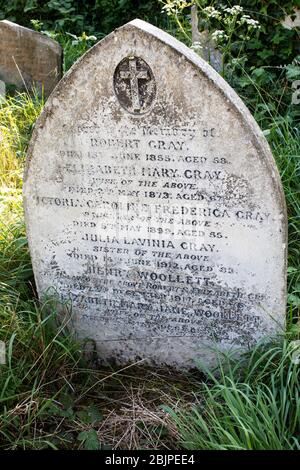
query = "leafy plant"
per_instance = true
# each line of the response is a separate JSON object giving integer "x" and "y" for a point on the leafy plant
{"x": 249, "y": 404}
{"x": 258, "y": 52}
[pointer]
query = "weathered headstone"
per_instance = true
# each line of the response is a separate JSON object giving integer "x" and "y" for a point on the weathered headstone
{"x": 154, "y": 206}
{"x": 29, "y": 59}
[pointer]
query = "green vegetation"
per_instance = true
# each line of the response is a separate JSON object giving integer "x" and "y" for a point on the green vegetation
{"x": 75, "y": 16}
{"x": 259, "y": 54}
{"x": 252, "y": 404}
{"x": 49, "y": 396}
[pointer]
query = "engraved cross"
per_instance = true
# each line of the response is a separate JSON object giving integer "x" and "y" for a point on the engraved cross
{"x": 134, "y": 76}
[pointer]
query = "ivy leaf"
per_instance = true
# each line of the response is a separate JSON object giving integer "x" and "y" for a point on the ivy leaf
{"x": 89, "y": 415}
{"x": 245, "y": 81}
{"x": 292, "y": 71}
{"x": 265, "y": 54}
{"x": 30, "y": 5}
{"x": 89, "y": 439}
{"x": 294, "y": 300}
{"x": 291, "y": 269}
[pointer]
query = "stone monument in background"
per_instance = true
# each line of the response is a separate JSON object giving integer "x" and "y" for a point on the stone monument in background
{"x": 28, "y": 59}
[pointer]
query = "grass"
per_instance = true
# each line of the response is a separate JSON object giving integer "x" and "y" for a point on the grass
{"x": 51, "y": 398}
{"x": 17, "y": 117}
{"x": 251, "y": 404}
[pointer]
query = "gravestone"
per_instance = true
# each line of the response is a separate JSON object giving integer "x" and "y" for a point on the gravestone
{"x": 209, "y": 51}
{"x": 204, "y": 44}
{"x": 29, "y": 59}
{"x": 154, "y": 207}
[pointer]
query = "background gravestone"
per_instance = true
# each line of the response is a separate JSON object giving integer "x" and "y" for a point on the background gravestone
{"x": 29, "y": 58}
{"x": 157, "y": 209}
{"x": 204, "y": 43}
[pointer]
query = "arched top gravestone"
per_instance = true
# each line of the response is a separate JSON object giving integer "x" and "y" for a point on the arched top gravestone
{"x": 154, "y": 206}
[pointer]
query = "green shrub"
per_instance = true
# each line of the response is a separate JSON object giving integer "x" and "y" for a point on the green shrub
{"x": 92, "y": 16}
{"x": 260, "y": 63}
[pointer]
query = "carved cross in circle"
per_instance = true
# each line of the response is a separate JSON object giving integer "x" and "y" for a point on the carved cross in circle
{"x": 134, "y": 76}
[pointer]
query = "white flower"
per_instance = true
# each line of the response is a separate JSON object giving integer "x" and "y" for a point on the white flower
{"x": 196, "y": 46}
{"x": 169, "y": 9}
{"x": 212, "y": 12}
{"x": 174, "y": 6}
{"x": 219, "y": 35}
{"x": 250, "y": 22}
{"x": 235, "y": 10}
